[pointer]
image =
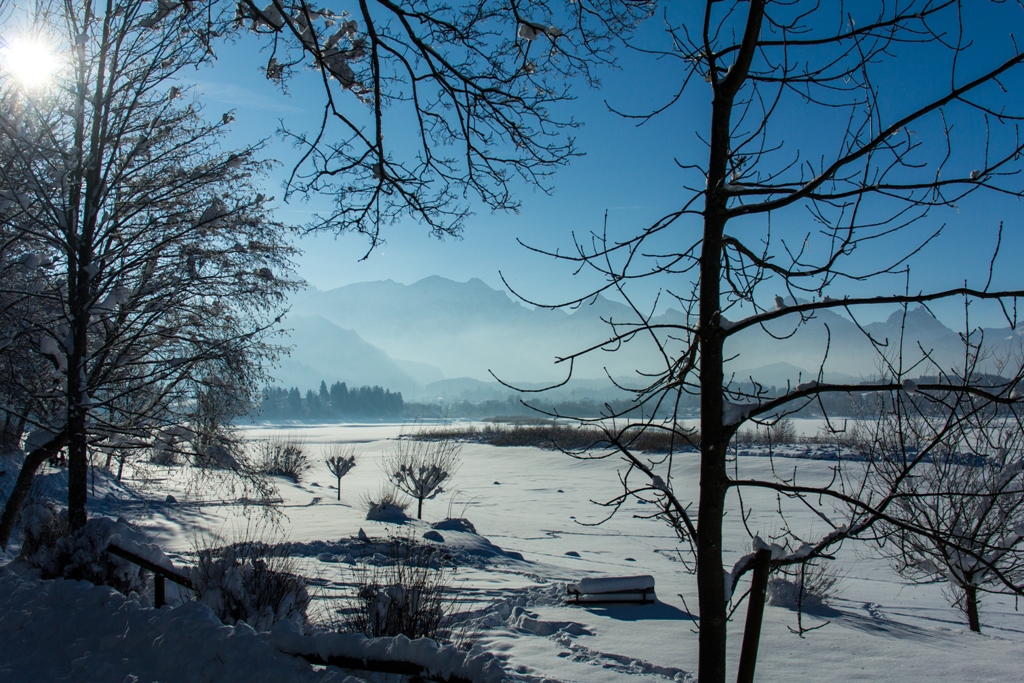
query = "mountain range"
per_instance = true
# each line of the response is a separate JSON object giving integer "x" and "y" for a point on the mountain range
{"x": 438, "y": 338}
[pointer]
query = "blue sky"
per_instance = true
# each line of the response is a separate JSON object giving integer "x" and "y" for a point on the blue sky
{"x": 620, "y": 172}
{"x": 629, "y": 171}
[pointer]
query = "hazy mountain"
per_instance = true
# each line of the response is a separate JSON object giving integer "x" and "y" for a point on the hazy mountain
{"x": 779, "y": 374}
{"x": 411, "y": 337}
{"x": 325, "y": 352}
{"x": 422, "y": 373}
{"x": 468, "y": 329}
{"x": 835, "y": 343}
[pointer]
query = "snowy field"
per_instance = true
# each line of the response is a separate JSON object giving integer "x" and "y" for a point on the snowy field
{"x": 533, "y": 512}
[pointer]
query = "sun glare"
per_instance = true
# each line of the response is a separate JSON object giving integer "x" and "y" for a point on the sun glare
{"x": 30, "y": 61}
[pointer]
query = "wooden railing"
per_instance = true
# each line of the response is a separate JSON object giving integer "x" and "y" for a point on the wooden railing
{"x": 417, "y": 671}
{"x": 159, "y": 573}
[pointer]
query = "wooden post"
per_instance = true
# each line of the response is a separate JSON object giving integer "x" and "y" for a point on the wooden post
{"x": 755, "y": 612}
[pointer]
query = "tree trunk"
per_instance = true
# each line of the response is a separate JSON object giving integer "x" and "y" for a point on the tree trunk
{"x": 78, "y": 398}
{"x": 755, "y": 615}
{"x": 971, "y": 607}
{"x": 78, "y": 473}
{"x": 82, "y": 267}
{"x": 419, "y": 508}
{"x": 714, "y": 479}
{"x": 715, "y": 434}
{"x": 21, "y": 487}
{"x": 10, "y": 437}
{"x": 339, "y": 489}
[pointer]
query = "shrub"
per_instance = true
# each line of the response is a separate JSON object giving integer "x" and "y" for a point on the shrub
{"x": 409, "y": 595}
{"x": 564, "y": 437}
{"x": 783, "y": 431}
{"x": 286, "y": 457}
{"x": 165, "y": 457}
{"x": 419, "y": 468}
{"x": 806, "y": 587}
{"x": 386, "y": 506}
{"x": 248, "y": 582}
{"x": 48, "y": 544}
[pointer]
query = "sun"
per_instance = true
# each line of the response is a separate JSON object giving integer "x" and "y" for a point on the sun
{"x": 30, "y": 61}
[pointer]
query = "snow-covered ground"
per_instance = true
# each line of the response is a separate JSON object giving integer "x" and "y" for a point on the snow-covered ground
{"x": 536, "y": 529}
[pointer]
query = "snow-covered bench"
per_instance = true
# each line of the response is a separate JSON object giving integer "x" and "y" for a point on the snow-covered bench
{"x": 609, "y": 589}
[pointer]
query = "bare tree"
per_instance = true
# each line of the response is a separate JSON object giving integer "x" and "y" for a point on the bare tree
{"x": 419, "y": 468}
{"x": 880, "y": 165}
{"x": 466, "y": 88}
{"x": 340, "y": 461}
{"x": 25, "y": 386}
{"x": 968, "y": 495}
{"x": 167, "y": 268}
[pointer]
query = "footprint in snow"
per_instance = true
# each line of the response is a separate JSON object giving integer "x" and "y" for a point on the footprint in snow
{"x": 624, "y": 664}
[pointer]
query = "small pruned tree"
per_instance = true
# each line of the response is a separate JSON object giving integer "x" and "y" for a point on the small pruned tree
{"x": 961, "y": 517}
{"x": 340, "y": 461}
{"x": 420, "y": 468}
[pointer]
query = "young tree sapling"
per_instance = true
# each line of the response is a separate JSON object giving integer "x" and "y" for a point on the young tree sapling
{"x": 340, "y": 461}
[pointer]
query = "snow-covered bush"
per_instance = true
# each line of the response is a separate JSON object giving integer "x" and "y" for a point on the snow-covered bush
{"x": 247, "y": 582}
{"x": 283, "y": 458}
{"x": 48, "y": 544}
{"x": 386, "y": 506}
{"x": 454, "y": 524}
{"x": 409, "y": 595}
{"x": 805, "y": 587}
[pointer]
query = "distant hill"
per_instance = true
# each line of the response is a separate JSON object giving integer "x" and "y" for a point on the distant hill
{"x": 467, "y": 329}
{"x": 325, "y": 352}
{"x": 413, "y": 338}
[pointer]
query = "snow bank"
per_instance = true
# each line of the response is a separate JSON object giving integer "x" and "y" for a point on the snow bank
{"x": 454, "y": 524}
{"x": 83, "y": 554}
{"x": 461, "y": 548}
{"x": 72, "y": 630}
{"x": 532, "y": 623}
{"x": 445, "y": 661}
{"x": 386, "y": 511}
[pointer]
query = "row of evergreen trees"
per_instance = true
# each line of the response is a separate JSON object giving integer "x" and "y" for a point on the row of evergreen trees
{"x": 337, "y": 401}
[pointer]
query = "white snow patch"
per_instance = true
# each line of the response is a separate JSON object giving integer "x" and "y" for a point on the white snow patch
{"x": 613, "y": 584}
{"x": 443, "y": 660}
{"x": 72, "y": 630}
